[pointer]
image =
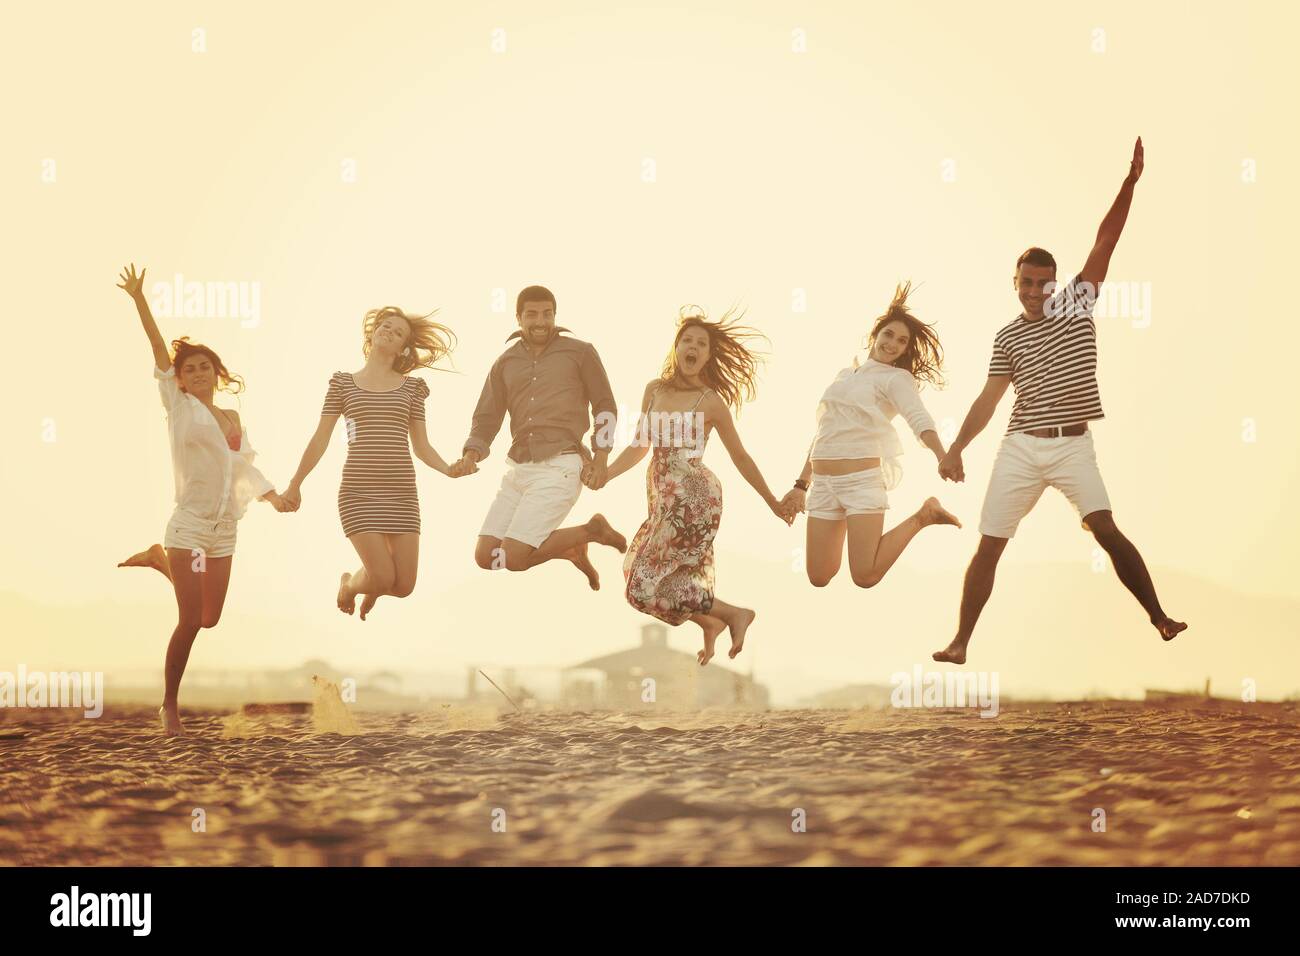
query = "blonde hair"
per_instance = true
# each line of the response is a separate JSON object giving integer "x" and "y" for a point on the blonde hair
{"x": 429, "y": 342}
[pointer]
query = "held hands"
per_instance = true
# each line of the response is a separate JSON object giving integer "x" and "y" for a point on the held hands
{"x": 780, "y": 509}
{"x": 131, "y": 283}
{"x": 291, "y": 499}
{"x": 467, "y": 465}
{"x": 951, "y": 468}
{"x": 792, "y": 504}
{"x": 277, "y": 502}
{"x": 595, "y": 473}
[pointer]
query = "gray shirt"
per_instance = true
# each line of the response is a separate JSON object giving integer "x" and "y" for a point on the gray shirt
{"x": 547, "y": 397}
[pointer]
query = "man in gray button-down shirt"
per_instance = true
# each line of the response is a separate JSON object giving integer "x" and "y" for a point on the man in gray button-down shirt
{"x": 545, "y": 381}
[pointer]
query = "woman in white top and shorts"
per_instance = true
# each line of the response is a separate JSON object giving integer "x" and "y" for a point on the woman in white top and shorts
{"x": 215, "y": 479}
{"x": 853, "y": 461}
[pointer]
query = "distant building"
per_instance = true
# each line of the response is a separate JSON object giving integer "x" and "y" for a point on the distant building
{"x": 654, "y": 676}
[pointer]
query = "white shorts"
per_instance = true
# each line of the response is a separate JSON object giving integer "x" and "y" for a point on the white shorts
{"x": 212, "y": 539}
{"x": 535, "y": 496}
{"x": 1025, "y": 465}
{"x": 835, "y": 497}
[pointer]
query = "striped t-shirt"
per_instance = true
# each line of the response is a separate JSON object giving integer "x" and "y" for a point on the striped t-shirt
{"x": 1052, "y": 362}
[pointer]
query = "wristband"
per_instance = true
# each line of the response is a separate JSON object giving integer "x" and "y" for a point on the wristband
{"x": 801, "y": 484}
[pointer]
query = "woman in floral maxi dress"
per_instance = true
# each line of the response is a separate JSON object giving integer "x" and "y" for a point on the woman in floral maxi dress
{"x": 669, "y": 564}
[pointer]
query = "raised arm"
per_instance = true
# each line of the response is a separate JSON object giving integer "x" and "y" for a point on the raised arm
{"x": 1094, "y": 270}
{"x": 716, "y": 412}
{"x": 640, "y": 444}
{"x": 981, "y": 412}
{"x": 133, "y": 285}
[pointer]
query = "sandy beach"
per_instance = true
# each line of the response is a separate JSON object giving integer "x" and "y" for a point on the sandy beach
{"x": 1179, "y": 785}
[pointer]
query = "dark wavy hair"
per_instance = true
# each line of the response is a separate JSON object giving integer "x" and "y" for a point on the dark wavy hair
{"x": 924, "y": 356}
{"x": 183, "y": 349}
{"x": 732, "y": 368}
{"x": 429, "y": 342}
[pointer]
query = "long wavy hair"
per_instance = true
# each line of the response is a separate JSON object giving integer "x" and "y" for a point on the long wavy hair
{"x": 732, "y": 368}
{"x": 428, "y": 344}
{"x": 183, "y": 349}
{"x": 924, "y": 355}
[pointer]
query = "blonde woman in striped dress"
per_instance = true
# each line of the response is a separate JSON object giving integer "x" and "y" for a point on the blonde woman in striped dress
{"x": 383, "y": 411}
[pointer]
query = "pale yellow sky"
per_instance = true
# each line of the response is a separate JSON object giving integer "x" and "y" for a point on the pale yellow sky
{"x": 928, "y": 142}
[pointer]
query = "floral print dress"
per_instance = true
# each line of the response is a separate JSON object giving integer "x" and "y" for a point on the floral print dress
{"x": 669, "y": 565}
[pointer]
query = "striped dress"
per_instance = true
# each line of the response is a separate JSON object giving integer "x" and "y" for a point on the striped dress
{"x": 377, "y": 493}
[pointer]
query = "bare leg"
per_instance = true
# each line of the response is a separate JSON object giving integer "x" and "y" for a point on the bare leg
{"x": 712, "y": 627}
{"x": 871, "y": 554}
{"x": 489, "y": 553}
{"x": 376, "y": 575}
{"x": 823, "y": 550}
{"x": 200, "y": 585}
{"x": 737, "y": 620}
{"x": 568, "y": 543}
{"x": 975, "y": 594}
{"x": 1132, "y": 571}
{"x": 155, "y": 556}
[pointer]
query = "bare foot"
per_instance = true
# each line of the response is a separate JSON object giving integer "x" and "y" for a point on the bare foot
{"x": 171, "y": 722}
{"x": 739, "y": 625}
{"x": 1169, "y": 628}
{"x": 602, "y": 532}
{"x": 578, "y": 555}
{"x": 367, "y": 603}
{"x": 934, "y": 513}
{"x": 711, "y": 632}
{"x": 954, "y": 653}
{"x": 346, "y": 599}
{"x": 155, "y": 556}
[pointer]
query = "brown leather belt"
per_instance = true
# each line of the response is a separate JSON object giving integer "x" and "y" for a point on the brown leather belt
{"x": 1059, "y": 431}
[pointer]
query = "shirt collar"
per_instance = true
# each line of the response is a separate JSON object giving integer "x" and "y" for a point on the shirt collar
{"x": 519, "y": 333}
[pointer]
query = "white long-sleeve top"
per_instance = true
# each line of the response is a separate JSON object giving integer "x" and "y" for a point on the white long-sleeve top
{"x": 854, "y": 416}
{"x": 212, "y": 482}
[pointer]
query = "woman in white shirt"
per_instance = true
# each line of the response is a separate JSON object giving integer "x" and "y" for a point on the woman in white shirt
{"x": 853, "y": 460}
{"x": 212, "y": 463}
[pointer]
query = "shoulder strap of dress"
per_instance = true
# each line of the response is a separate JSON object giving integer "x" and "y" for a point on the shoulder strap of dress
{"x": 700, "y": 399}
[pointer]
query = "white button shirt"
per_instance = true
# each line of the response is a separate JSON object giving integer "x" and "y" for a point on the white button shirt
{"x": 855, "y": 413}
{"x": 212, "y": 482}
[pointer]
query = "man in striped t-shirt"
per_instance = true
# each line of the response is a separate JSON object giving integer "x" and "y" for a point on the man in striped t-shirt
{"x": 1049, "y": 353}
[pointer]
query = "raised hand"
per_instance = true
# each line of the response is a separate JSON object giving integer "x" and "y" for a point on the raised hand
{"x": 1135, "y": 167}
{"x": 131, "y": 283}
